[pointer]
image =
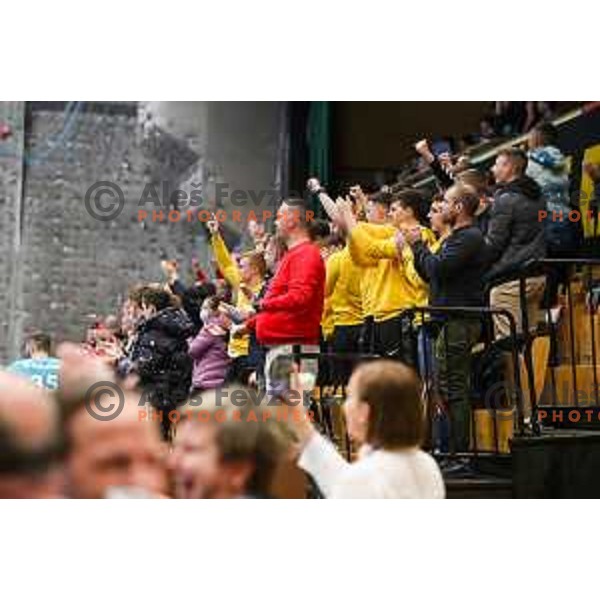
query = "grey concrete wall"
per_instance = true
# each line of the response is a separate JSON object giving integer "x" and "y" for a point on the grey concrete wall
{"x": 72, "y": 266}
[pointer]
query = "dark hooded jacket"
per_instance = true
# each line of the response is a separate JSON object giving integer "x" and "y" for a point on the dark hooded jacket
{"x": 515, "y": 232}
{"x": 159, "y": 355}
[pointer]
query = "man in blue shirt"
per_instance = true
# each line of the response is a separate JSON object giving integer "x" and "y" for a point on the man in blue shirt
{"x": 38, "y": 366}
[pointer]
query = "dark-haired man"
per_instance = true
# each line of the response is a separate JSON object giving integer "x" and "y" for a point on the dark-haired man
{"x": 226, "y": 447}
{"x": 38, "y": 365}
{"x": 515, "y": 235}
{"x": 455, "y": 276}
{"x": 395, "y": 285}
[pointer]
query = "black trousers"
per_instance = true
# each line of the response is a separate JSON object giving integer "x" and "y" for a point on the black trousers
{"x": 367, "y": 341}
{"x": 396, "y": 338}
{"x": 454, "y": 359}
{"x": 346, "y": 341}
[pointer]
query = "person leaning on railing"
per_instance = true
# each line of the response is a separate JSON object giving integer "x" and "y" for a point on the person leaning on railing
{"x": 515, "y": 236}
{"x": 395, "y": 285}
{"x": 455, "y": 277}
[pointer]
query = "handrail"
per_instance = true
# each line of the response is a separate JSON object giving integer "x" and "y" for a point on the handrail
{"x": 482, "y": 313}
{"x": 419, "y": 181}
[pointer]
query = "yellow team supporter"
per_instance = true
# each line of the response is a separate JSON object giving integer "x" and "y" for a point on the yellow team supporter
{"x": 391, "y": 282}
{"x": 327, "y": 324}
{"x": 343, "y": 288}
{"x": 238, "y": 345}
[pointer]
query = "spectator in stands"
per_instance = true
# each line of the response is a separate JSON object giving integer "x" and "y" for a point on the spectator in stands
{"x": 257, "y": 234}
{"x": 478, "y": 181}
{"x": 397, "y": 286}
{"x": 487, "y": 131}
{"x": 376, "y": 213}
{"x": 515, "y": 235}
{"x": 30, "y": 441}
{"x": 592, "y": 170}
{"x": 515, "y": 117}
{"x": 374, "y": 209}
{"x": 246, "y": 279}
{"x": 548, "y": 166}
{"x": 119, "y": 456}
{"x": 38, "y": 365}
{"x": 223, "y": 450}
{"x": 455, "y": 276}
{"x": 289, "y": 316}
{"x": 443, "y": 175}
{"x": 273, "y": 253}
{"x": 209, "y": 348}
{"x": 192, "y": 297}
{"x": 385, "y": 418}
{"x": 321, "y": 234}
{"x": 438, "y": 224}
{"x": 343, "y": 288}
{"x": 104, "y": 343}
{"x": 159, "y": 350}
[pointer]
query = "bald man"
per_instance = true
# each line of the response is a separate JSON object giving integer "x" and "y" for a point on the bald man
{"x": 30, "y": 449}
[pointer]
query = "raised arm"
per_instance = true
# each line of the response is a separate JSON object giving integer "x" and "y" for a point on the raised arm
{"x": 223, "y": 257}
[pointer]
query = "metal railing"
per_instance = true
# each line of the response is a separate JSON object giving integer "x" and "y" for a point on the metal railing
{"x": 571, "y": 339}
{"x": 503, "y": 398}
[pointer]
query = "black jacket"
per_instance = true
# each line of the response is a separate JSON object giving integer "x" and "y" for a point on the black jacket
{"x": 191, "y": 306}
{"x": 482, "y": 220}
{"x": 515, "y": 233}
{"x": 159, "y": 355}
{"x": 455, "y": 273}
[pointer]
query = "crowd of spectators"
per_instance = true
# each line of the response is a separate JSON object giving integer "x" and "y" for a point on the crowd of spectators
{"x": 348, "y": 286}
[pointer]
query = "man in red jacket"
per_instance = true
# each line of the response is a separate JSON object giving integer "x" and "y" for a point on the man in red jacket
{"x": 289, "y": 315}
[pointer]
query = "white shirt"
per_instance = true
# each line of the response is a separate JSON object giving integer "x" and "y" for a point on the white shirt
{"x": 408, "y": 473}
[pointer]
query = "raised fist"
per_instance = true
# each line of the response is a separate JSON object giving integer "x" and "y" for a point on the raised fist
{"x": 313, "y": 185}
{"x": 422, "y": 147}
{"x": 213, "y": 226}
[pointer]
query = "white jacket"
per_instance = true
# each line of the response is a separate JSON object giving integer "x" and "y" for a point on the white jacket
{"x": 409, "y": 473}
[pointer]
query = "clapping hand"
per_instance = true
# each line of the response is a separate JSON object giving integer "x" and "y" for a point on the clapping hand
{"x": 412, "y": 236}
{"x": 345, "y": 214}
